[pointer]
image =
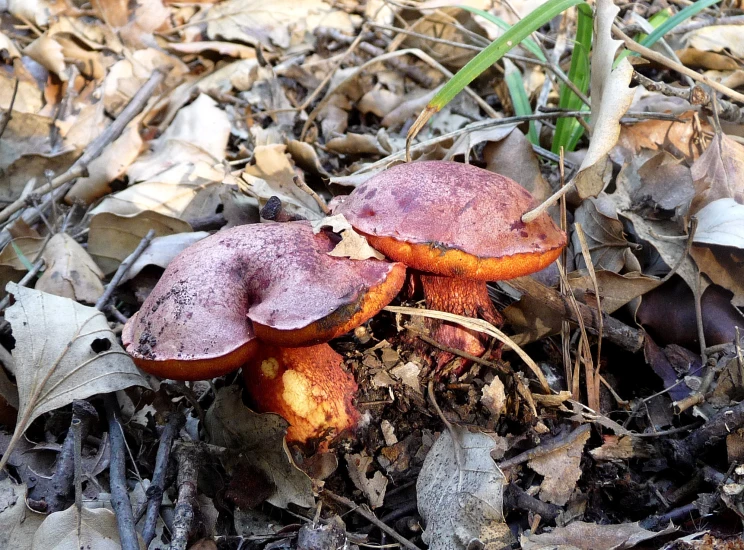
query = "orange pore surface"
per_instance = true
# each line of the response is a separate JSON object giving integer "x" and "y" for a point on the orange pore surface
{"x": 341, "y": 321}
{"x": 307, "y": 386}
{"x": 452, "y": 262}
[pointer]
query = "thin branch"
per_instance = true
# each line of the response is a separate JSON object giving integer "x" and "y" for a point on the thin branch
{"x": 123, "y": 268}
{"x": 94, "y": 149}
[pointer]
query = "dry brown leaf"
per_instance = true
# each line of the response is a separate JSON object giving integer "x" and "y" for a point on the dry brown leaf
{"x": 64, "y": 351}
{"x": 37, "y": 11}
{"x": 357, "y": 144}
{"x": 717, "y": 38}
{"x": 287, "y": 21}
{"x": 561, "y": 470}
{"x": 514, "y": 158}
{"x": 72, "y": 529}
{"x": 260, "y": 438}
{"x": 18, "y": 523}
{"x": 112, "y": 12}
{"x": 718, "y": 173}
{"x": 162, "y": 250}
{"x": 229, "y": 49}
{"x": 590, "y": 536}
{"x": 379, "y": 101}
{"x": 9, "y": 46}
{"x": 604, "y": 235}
{"x": 459, "y": 489}
{"x": 109, "y": 166}
{"x": 48, "y": 52}
{"x": 724, "y": 266}
{"x": 681, "y": 139}
{"x": 272, "y": 174}
{"x": 352, "y": 244}
{"x": 493, "y": 397}
{"x": 610, "y": 98}
{"x": 373, "y": 488}
{"x": 70, "y": 272}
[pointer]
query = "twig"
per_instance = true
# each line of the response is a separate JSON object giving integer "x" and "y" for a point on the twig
{"x": 615, "y": 331}
{"x": 117, "y": 478}
{"x": 733, "y": 20}
{"x": 123, "y": 268}
{"x": 53, "y": 494}
{"x": 188, "y": 470}
{"x": 5, "y": 117}
{"x": 546, "y": 448}
{"x": 77, "y": 458}
{"x": 317, "y": 198}
{"x": 686, "y": 253}
{"x": 634, "y": 46}
{"x": 695, "y": 95}
{"x": 94, "y": 149}
{"x": 363, "y": 511}
{"x": 157, "y": 486}
{"x": 27, "y": 278}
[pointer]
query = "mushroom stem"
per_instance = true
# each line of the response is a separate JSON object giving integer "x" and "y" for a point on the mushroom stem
{"x": 307, "y": 386}
{"x": 465, "y": 297}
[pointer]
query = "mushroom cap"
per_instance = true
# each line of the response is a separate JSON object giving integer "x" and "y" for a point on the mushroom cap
{"x": 271, "y": 281}
{"x": 453, "y": 219}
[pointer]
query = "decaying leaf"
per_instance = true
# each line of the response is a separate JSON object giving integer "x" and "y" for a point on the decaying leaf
{"x": 459, "y": 490}
{"x": 352, "y": 244}
{"x": 580, "y": 535}
{"x": 18, "y": 523}
{"x": 494, "y": 398}
{"x": 98, "y": 530}
{"x": 46, "y": 51}
{"x": 260, "y": 440}
{"x": 272, "y": 174}
{"x": 561, "y": 470}
{"x": 604, "y": 235}
{"x": 70, "y": 272}
{"x": 64, "y": 351}
{"x": 718, "y": 173}
{"x": 610, "y": 98}
{"x": 514, "y": 158}
{"x": 373, "y": 488}
{"x": 162, "y": 250}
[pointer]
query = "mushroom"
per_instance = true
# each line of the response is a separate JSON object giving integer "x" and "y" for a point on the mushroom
{"x": 458, "y": 225}
{"x": 265, "y": 297}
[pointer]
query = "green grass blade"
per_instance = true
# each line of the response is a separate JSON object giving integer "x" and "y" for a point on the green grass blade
{"x": 513, "y": 78}
{"x": 657, "y": 19}
{"x": 496, "y": 50}
{"x": 528, "y": 44}
{"x": 568, "y": 131}
{"x": 21, "y": 256}
{"x": 669, "y": 24}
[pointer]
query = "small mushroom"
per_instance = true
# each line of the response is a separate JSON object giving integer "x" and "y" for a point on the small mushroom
{"x": 243, "y": 297}
{"x": 460, "y": 226}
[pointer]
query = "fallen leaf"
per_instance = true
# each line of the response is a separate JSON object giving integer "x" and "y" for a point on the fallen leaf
{"x": 352, "y": 244}
{"x": 514, "y": 158}
{"x": 610, "y": 98}
{"x": 18, "y": 523}
{"x": 272, "y": 174}
{"x": 459, "y": 489}
{"x": 468, "y": 140}
{"x": 259, "y": 438}
{"x": 351, "y": 143}
{"x": 70, "y": 272}
{"x": 560, "y": 470}
{"x": 493, "y": 397}
{"x": 681, "y": 138}
{"x": 716, "y": 38}
{"x": 64, "y": 351}
{"x": 724, "y": 266}
{"x": 224, "y": 48}
{"x": 9, "y": 46}
{"x": 373, "y": 488}
{"x": 162, "y": 250}
{"x": 48, "y": 52}
{"x": 250, "y": 22}
{"x": 112, "y": 238}
{"x": 109, "y": 166}
{"x": 98, "y": 530}
{"x": 721, "y": 222}
{"x": 718, "y": 173}
{"x": 580, "y": 535}
{"x": 605, "y": 237}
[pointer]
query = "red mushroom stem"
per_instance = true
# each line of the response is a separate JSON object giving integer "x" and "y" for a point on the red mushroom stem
{"x": 466, "y": 297}
{"x": 307, "y": 386}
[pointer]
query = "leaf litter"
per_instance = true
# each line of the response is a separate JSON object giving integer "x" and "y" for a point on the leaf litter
{"x": 290, "y": 106}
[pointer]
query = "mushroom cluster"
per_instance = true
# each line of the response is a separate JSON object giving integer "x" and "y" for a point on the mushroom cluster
{"x": 266, "y": 297}
{"x": 458, "y": 226}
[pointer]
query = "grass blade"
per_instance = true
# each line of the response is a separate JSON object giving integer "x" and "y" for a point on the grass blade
{"x": 528, "y": 44}
{"x": 568, "y": 131}
{"x": 513, "y": 78}
{"x": 496, "y": 50}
